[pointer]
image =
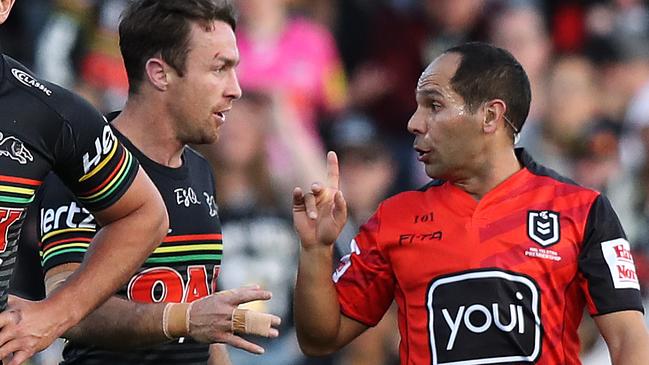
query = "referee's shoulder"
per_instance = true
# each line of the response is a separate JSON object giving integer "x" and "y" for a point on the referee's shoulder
{"x": 407, "y": 197}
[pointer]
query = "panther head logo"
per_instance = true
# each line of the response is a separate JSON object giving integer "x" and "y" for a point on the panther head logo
{"x": 15, "y": 149}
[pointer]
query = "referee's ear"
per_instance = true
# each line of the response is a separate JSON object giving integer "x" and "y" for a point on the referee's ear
{"x": 5, "y": 9}
{"x": 158, "y": 73}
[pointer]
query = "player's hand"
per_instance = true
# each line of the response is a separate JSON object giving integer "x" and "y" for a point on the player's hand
{"x": 211, "y": 318}
{"x": 320, "y": 214}
{"x": 26, "y": 328}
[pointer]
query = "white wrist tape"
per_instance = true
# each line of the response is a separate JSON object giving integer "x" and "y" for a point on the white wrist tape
{"x": 165, "y": 321}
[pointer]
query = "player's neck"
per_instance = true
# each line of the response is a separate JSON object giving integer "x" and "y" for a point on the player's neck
{"x": 496, "y": 168}
{"x": 148, "y": 128}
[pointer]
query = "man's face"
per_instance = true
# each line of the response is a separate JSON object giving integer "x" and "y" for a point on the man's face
{"x": 447, "y": 135}
{"x": 5, "y": 8}
{"x": 201, "y": 98}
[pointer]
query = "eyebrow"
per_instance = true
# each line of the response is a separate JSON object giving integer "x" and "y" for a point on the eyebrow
{"x": 428, "y": 92}
{"x": 227, "y": 61}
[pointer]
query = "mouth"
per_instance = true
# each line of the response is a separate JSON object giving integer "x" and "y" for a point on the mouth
{"x": 423, "y": 154}
{"x": 221, "y": 115}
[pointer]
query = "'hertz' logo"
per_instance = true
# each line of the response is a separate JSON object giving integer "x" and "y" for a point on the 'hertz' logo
{"x": 29, "y": 80}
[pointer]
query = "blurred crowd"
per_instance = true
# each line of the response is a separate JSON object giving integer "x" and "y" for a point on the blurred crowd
{"x": 341, "y": 74}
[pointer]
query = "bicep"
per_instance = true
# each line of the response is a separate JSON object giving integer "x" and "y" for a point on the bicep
{"x": 141, "y": 194}
{"x": 349, "y": 330}
{"x": 623, "y": 331}
{"x": 612, "y": 325}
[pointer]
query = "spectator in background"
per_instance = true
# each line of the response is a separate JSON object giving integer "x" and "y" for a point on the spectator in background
{"x": 635, "y": 150}
{"x": 573, "y": 94}
{"x": 453, "y": 22}
{"x": 63, "y": 41}
{"x": 521, "y": 30}
{"x": 294, "y": 57}
{"x": 103, "y": 77}
{"x": 597, "y": 165}
{"x": 382, "y": 66}
{"x": 78, "y": 48}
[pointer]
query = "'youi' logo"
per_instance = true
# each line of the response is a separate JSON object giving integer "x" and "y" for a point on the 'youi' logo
{"x": 476, "y": 316}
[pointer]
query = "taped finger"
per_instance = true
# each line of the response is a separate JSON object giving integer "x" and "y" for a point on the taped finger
{"x": 249, "y": 322}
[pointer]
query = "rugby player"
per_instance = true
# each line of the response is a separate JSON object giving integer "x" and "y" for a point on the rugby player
{"x": 180, "y": 57}
{"x": 46, "y": 128}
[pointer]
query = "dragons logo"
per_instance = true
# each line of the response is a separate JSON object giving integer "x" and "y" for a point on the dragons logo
{"x": 15, "y": 149}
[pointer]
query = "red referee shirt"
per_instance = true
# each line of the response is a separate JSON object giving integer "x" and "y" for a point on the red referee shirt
{"x": 500, "y": 280}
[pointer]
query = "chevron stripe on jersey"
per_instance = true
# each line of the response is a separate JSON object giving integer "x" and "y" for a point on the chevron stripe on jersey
{"x": 124, "y": 167}
{"x": 16, "y": 190}
{"x": 191, "y": 249}
{"x": 68, "y": 241}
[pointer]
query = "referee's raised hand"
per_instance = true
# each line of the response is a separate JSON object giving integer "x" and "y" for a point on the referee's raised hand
{"x": 319, "y": 215}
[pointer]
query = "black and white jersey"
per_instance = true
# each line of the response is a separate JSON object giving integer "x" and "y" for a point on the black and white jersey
{"x": 44, "y": 128}
{"x": 182, "y": 269}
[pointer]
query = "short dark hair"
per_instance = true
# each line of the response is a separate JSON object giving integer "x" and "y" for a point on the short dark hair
{"x": 487, "y": 72}
{"x": 161, "y": 27}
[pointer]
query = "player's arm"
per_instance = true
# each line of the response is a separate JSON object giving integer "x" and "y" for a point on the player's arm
{"x": 626, "y": 336}
{"x": 119, "y": 324}
{"x": 319, "y": 216}
{"x": 133, "y": 226}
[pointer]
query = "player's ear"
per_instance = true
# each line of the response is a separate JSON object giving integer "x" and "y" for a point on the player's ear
{"x": 5, "y": 9}
{"x": 158, "y": 73}
{"x": 494, "y": 110}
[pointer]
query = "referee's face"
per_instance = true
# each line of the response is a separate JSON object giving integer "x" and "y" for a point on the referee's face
{"x": 200, "y": 100}
{"x": 448, "y": 136}
{"x": 5, "y": 8}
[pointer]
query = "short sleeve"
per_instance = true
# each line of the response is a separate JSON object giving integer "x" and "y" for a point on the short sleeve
{"x": 90, "y": 160}
{"x": 364, "y": 279}
{"x": 66, "y": 228}
{"x": 606, "y": 263}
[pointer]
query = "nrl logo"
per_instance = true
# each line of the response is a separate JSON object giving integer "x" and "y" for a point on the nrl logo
{"x": 543, "y": 227}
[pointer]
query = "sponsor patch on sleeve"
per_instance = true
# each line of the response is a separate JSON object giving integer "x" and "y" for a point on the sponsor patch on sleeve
{"x": 617, "y": 254}
{"x": 346, "y": 261}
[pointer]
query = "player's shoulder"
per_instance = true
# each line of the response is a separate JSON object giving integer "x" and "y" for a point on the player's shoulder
{"x": 198, "y": 166}
{"x": 196, "y": 159}
{"x": 195, "y": 155}
{"x": 547, "y": 176}
{"x": 59, "y": 101}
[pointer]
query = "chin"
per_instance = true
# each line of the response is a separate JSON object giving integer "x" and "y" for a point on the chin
{"x": 207, "y": 139}
{"x": 433, "y": 173}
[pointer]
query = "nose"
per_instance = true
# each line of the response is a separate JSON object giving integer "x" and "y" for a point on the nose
{"x": 233, "y": 89}
{"x": 417, "y": 123}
